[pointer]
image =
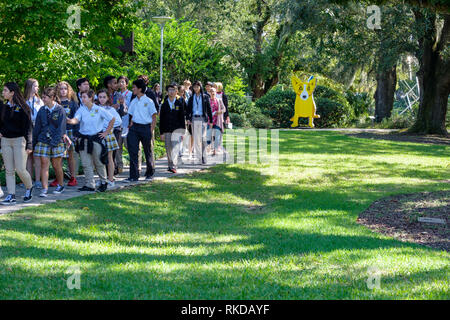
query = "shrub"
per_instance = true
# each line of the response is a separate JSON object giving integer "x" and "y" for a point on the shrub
{"x": 239, "y": 120}
{"x": 238, "y": 104}
{"x": 333, "y": 108}
{"x": 278, "y": 104}
{"x": 258, "y": 120}
{"x": 332, "y": 113}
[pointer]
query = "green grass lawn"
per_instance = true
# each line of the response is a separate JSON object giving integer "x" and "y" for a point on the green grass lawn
{"x": 237, "y": 231}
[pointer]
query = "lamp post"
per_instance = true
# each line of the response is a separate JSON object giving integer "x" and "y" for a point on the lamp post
{"x": 161, "y": 21}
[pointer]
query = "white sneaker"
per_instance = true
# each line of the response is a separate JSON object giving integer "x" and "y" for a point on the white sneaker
{"x": 44, "y": 193}
{"x": 111, "y": 184}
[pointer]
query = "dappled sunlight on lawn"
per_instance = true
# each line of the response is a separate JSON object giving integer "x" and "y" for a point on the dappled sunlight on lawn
{"x": 237, "y": 231}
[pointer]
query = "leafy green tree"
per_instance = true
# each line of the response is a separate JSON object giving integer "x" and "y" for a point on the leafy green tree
{"x": 36, "y": 41}
{"x": 188, "y": 53}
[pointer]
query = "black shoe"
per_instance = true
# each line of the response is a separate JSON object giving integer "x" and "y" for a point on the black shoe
{"x": 149, "y": 178}
{"x": 129, "y": 180}
{"x": 102, "y": 187}
{"x": 9, "y": 200}
{"x": 85, "y": 188}
{"x": 28, "y": 195}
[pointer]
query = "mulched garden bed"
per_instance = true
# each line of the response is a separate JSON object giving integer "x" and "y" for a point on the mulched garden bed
{"x": 402, "y": 136}
{"x": 397, "y": 216}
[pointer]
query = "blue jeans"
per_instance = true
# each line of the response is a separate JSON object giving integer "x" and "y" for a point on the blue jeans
{"x": 217, "y": 136}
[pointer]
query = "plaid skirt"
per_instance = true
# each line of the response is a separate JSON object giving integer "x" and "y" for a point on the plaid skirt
{"x": 111, "y": 142}
{"x": 69, "y": 133}
{"x": 45, "y": 150}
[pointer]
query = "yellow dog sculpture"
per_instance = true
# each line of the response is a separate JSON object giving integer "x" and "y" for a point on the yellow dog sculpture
{"x": 305, "y": 106}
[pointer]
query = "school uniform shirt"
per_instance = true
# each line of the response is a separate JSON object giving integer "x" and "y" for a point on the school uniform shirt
{"x": 127, "y": 94}
{"x": 149, "y": 93}
{"x": 35, "y": 104}
{"x": 115, "y": 114}
{"x": 50, "y": 125}
{"x": 15, "y": 123}
{"x": 70, "y": 107}
{"x": 142, "y": 109}
{"x": 172, "y": 115}
{"x": 91, "y": 121}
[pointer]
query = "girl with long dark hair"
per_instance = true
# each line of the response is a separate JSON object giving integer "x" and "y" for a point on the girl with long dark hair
{"x": 16, "y": 141}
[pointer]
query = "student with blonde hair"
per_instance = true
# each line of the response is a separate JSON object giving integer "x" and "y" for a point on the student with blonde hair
{"x": 69, "y": 101}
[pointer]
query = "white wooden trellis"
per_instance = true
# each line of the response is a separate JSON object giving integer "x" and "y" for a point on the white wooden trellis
{"x": 411, "y": 96}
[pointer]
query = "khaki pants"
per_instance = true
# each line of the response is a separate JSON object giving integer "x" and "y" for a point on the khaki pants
{"x": 172, "y": 148}
{"x": 90, "y": 161}
{"x": 199, "y": 134}
{"x": 76, "y": 157}
{"x": 15, "y": 159}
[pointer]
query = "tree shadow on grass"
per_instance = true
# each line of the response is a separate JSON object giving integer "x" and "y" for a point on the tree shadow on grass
{"x": 132, "y": 217}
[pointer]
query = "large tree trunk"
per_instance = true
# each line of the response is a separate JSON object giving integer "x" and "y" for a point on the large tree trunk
{"x": 384, "y": 95}
{"x": 434, "y": 76}
{"x": 257, "y": 85}
{"x": 257, "y": 76}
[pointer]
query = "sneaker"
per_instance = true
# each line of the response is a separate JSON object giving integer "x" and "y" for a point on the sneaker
{"x": 85, "y": 188}
{"x": 98, "y": 183}
{"x": 9, "y": 200}
{"x": 72, "y": 182}
{"x": 102, "y": 187}
{"x": 59, "y": 189}
{"x": 149, "y": 178}
{"x": 129, "y": 180}
{"x": 28, "y": 195}
{"x": 111, "y": 184}
{"x": 54, "y": 183}
{"x": 1, "y": 192}
{"x": 44, "y": 193}
{"x": 38, "y": 185}
{"x": 173, "y": 170}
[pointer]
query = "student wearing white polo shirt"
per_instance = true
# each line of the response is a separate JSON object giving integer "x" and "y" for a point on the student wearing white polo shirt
{"x": 111, "y": 141}
{"x": 125, "y": 100}
{"x": 142, "y": 114}
{"x": 92, "y": 145}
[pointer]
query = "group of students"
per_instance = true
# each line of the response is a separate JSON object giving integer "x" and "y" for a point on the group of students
{"x": 38, "y": 130}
